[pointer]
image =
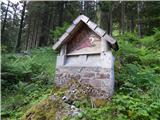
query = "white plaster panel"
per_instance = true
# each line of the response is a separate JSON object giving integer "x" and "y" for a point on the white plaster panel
{"x": 108, "y": 60}
{"x": 104, "y": 61}
{"x": 72, "y": 61}
{"x": 60, "y": 61}
{"x": 93, "y": 60}
{"x": 104, "y": 45}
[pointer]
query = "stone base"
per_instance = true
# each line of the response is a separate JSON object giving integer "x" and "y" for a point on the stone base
{"x": 99, "y": 78}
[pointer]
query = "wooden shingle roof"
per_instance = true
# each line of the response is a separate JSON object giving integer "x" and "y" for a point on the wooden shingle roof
{"x": 82, "y": 19}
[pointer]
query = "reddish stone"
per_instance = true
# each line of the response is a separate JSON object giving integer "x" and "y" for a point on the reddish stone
{"x": 89, "y": 75}
{"x": 76, "y": 76}
{"x": 85, "y": 81}
{"x": 95, "y": 83}
{"x": 102, "y": 76}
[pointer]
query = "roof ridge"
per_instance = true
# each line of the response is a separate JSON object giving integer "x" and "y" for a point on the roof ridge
{"x": 93, "y": 26}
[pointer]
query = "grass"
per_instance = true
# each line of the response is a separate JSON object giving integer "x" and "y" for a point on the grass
{"x": 27, "y": 80}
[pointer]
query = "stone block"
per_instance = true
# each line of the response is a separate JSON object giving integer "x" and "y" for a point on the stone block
{"x": 95, "y": 83}
{"x": 73, "y": 70}
{"x": 88, "y": 75}
{"x": 102, "y": 76}
{"x": 76, "y": 76}
{"x": 84, "y": 81}
{"x": 89, "y": 69}
{"x": 104, "y": 70}
{"x": 98, "y": 78}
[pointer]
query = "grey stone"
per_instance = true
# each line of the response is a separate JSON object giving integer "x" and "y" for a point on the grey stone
{"x": 84, "y": 80}
{"x": 102, "y": 76}
{"x": 97, "y": 77}
{"x": 88, "y": 75}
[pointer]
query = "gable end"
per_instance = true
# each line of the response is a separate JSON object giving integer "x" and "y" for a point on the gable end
{"x": 82, "y": 19}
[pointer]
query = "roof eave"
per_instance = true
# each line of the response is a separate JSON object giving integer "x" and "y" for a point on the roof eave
{"x": 93, "y": 26}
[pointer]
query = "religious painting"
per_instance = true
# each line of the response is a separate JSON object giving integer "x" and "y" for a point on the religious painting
{"x": 84, "y": 42}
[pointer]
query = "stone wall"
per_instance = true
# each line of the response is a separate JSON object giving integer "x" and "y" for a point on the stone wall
{"x": 99, "y": 78}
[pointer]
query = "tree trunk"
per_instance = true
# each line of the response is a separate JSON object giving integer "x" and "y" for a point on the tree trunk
{"x": 98, "y": 15}
{"x": 110, "y": 21}
{"x": 49, "y": 27}
{"x": 43, "y": 41}
{"x": 104, "y": 19}
{"x": 104, "y": 23}
{"x": 33, "y": 33}
{"x": 122, "y": 17}
{"x": 14, "y": 15}
{"x": 61, "y": 7}
{"x": 5, "y": 20}
{"x": 131, "y": 23}
{"x": 139, "y": 21}
{"x": 20, "y": 28}
{"x": 53, "y": 24}
{"x": 28, "y": 34}
{"x": 36, "y": 34}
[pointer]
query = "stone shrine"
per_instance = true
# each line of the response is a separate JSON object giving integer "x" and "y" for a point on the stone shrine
{"x": 85, "y": 55}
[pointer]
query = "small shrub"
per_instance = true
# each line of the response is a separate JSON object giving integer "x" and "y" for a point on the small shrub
{"x": 59, "y": 31}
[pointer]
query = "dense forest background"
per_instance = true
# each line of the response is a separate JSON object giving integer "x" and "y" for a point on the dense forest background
{"x": 33, "y": 24}
{"x": 28, "y": 31}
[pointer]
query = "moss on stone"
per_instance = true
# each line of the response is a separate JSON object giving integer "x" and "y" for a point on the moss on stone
{"x": 55, "y": 107}
{"x": 60, "y": 91}
{"x": 99, "y": 102}
{"x": 45, "y": 110}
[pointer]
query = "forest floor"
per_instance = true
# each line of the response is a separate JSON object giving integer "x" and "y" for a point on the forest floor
{"x": 28, "y": 79}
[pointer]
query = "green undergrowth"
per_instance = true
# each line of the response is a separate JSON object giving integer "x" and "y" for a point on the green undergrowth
{"x": 44, "y": 110}
{"x": 137, "y": 75}
{"x": 27, "y": 78}
{"x": 55, "y": 107}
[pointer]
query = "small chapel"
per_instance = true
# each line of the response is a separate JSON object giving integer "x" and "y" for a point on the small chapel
{"x": 85, "y": 55}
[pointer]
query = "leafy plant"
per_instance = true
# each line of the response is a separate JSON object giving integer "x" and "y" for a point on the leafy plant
{"x": 59, "y": 31}
{"x": 26, "y": 79}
